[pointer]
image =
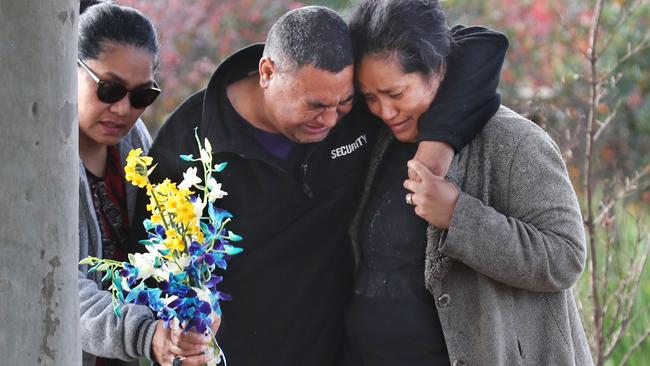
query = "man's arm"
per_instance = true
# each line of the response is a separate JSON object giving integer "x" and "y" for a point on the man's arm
{"x": 467, "y": 97}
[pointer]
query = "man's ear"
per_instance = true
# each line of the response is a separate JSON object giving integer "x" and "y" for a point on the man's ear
{"x": 266, "y": 71}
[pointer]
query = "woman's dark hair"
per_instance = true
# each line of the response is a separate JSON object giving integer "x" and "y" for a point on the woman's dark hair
{"x": 414, "y": 30}
{"x": 101, "y": 23}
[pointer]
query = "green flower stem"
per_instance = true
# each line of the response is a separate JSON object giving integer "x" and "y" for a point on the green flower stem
{"x": 155, "y": 199}
{"x": 105, "y": 261}
{"x": 216, "y": 348}
{"x": 223, "y": 225}
{"x": 206, "y": 172}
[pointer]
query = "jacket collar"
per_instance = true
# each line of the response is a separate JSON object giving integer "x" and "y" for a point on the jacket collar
{"x": 225, "y": 134}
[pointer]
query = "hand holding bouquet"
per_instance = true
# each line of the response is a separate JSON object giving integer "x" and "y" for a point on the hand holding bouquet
{"x": 177, "y": 276}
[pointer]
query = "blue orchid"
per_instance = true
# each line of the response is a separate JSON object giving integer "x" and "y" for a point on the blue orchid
{"x": 217, "y": 215}
{"x": 178, "y": 275}
{"x": 129, "y": 272}
{"x": 166, "y": 314}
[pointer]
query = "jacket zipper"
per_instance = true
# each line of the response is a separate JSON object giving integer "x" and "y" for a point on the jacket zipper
{"x": 305, "y": 187}
{"x": 305, "y": 166}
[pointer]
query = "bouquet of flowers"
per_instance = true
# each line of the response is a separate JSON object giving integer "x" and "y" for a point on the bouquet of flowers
{"x": 184, "y": 248}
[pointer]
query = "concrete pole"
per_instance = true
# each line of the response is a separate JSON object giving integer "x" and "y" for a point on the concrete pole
{"x": 39, "y": 301}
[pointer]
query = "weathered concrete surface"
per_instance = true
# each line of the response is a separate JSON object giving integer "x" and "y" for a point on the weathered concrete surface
{"x": 39, "y": 306}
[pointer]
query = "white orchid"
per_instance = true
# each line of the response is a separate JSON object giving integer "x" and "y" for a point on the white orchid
{"x": 205, "y": 155}
{"x": 179, "y": 264}
{"x": 125, "y": 284}
{"x": 190, "y": 178}
{"x": 198, "y": 206}
{"x": 215, "y": 190}
{"x": 202, "y": 293}
{"x": 144, "y": 262}
{"x": 167, "y": 300}
{"x": 160, "y": 272}
{"x": 184, "y": 260}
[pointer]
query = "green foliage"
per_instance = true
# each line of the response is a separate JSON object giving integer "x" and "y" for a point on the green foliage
{"x": 622, "y": 244}
{"x": 544, "y": 75}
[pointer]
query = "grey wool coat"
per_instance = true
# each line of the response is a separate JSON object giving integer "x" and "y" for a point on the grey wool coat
{"x": 501, "y": 275}
{"x": 102, "y": 332}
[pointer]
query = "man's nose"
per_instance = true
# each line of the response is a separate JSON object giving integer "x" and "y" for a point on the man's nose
{"x": 328, "y": 117}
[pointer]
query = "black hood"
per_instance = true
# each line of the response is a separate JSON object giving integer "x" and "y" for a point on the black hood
{"x": 468, "y": 94}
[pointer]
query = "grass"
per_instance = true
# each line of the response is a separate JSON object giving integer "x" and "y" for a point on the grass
{"x": 628, "y": 238}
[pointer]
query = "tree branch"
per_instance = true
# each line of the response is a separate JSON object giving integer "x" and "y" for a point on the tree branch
{"x": 631, "y": 52}
{"x": 630, "y": 295}
{"x": 610, "y": 118}
{"x": 630, "y": 186}
{"x": 624, "y": 15}
{"x": 588, "y": 185}
{"x": 624, "y": 311}
{"x": 635, "y": 346}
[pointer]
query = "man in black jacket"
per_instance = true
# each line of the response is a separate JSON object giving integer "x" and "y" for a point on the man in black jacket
{"x": 281, "y": 114}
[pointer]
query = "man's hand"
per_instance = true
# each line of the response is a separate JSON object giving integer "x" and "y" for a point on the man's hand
{"x": 191, "y": 347}
{"x": 436, "y": 156}
{"x": 434, "y": 197}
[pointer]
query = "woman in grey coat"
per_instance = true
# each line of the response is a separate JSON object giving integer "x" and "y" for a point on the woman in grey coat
{"x": 117, "y": 56}
{"x": 472, "y": 269}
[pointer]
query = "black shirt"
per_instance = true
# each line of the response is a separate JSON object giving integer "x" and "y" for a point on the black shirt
{"x": 393, "y": 320}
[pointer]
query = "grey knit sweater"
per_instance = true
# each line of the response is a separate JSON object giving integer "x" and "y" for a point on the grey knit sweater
{"x": 501, "y": 274}
{"x": 102, "y": 332}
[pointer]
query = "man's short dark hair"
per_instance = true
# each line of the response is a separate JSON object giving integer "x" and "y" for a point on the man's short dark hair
{"x": 311, "y": 35}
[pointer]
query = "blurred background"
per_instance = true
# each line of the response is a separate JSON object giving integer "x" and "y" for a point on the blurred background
{"x": 580, "y": 69}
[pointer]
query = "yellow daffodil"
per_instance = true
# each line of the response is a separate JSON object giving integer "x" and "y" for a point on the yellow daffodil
{"x": 173, "y": 241}
{"x": 136, "y": 169}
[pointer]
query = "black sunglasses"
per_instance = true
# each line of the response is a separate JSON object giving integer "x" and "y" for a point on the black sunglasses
{"x": 112, "y": 92}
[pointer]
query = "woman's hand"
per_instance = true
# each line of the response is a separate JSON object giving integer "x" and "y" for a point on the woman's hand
{"x": 191, "y": 347}
{"x": 434, "y": 197}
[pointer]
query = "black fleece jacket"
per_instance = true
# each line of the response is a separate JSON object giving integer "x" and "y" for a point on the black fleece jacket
{"x": 291, "y": 284}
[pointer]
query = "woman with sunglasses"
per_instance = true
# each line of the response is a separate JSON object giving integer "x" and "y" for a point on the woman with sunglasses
{"x": 117, "y": 57}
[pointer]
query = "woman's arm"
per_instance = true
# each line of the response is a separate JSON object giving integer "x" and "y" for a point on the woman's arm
{"x": 104, "y": 334}
{"x": 536, "y": 243}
